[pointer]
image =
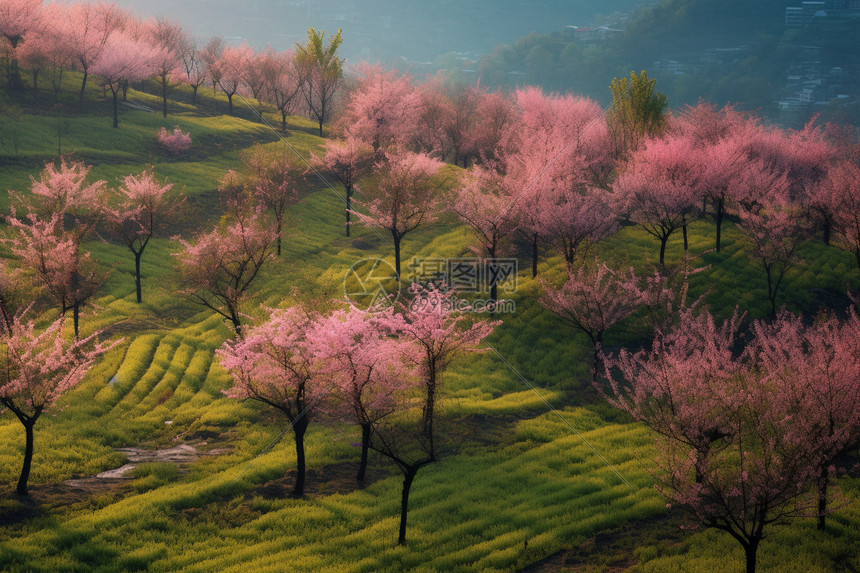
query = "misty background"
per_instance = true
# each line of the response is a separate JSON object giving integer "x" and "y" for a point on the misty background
{"x": 787, "y": 60}
{"x": 382, "y": 30}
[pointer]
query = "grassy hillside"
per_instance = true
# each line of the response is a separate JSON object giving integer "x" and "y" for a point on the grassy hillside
{"x": 538, "y": 465}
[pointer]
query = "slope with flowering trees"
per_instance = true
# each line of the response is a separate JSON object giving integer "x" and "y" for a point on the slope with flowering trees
{"x": 434, "y": 333}
{"x": 363, "y": 368}
{"x": 19, "y": 19}
{"x": 219, "y": 268}
{"x": 36, "y": 368}
{"x": 275, "y": 363}
{"x": 402, "y": 192}
{"x": 142, "y": 209}
{"x": 658, "y": 189}
{"x": 347, "y": 160}
{"x": 730, "y": 451}
{"x": 483, "y": 203}
{"x": 557, "y": 150}
{"x": 123, "y": 59}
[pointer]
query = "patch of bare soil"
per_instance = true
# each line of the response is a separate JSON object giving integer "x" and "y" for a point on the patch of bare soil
{"x": 614, "y": 551}
{"x": 333, "y": 478}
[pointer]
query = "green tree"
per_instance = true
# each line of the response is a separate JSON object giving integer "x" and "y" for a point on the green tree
{"x": 637, "y": 111}
{"x": 323, "y": 73}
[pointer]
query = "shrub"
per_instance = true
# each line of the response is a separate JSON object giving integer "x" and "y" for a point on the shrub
{"x": 174, "y": 142}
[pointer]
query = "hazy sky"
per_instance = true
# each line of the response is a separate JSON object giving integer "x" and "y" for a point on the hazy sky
{"x": 380, "y": 29}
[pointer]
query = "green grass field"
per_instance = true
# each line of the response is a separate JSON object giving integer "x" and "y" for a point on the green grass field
{"x": 539, "y": 465}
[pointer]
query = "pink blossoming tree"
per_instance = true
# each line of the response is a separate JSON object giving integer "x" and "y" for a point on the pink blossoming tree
{"x": 36, "y": 368}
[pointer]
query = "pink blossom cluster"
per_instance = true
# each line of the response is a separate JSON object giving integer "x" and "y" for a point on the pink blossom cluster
{"x": 174, "y": 142}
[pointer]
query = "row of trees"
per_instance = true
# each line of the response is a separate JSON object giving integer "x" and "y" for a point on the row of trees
{"x": 380, "y": 369}
{"x": 558, "y": 170}
{"x": 98, "y": 38}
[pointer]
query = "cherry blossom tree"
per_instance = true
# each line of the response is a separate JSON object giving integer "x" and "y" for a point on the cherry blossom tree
{"x": 219, "y": 268}
{"x": 495, "y": 116}
{"x": 211, "y": 56}
{"x": 436, "y": 333}
{"x": 275, "y": 363}
{"x": 559, "y": 147}
{"x": 229, "y": 69}
{"x": 282, "y": 82}
{"x": 254, "y": 78}
{"x": 843, "y": 186}
{"x": 347, "y": 160}
{"x": 817, "y": 371}
{"x": 36, "y": 368}
{"x": 193, "y": 71}
{"x": 773, "y": 225}
{"x": 92, "y": 23}
{"x": 322, "y": 73}
{"x": 174, "y": 142}
{"x": 18, "y": 20}
{"x": 431, "y": 135}
{"x": 401, "y": 193}
{"x": 269, "y": 180}
{"x": 69, "y": 274}
{"x": 728, "y": 452}
{"x": 123, "y": 59}
{"x": 62, "y": 190}
{"x": 483, "y": 202}
{"x": 657, "y": 190}
{"x": 47, "y": 47}
{"x": 592, "y": 299}
{"x": 10, "y": 303}
{"x": 382, "y": 109}
{"x": 166, "y": 39}
{"x": 717, "y": 139}
{"x": 363, "y": 367}
{"x": 573, "y": 220}
{"x": 143, "y": 204}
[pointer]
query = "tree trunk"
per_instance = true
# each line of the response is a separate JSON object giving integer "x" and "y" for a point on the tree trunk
{"x": 365, "y": 443}
{"x": 348, "y": 207}
{"x": 827, "y": 231}
{"x": 83, "y": 89}
{"x": 300, "y": 425}
{"x": 771, "y": 292}
{"x": 76, "y": 318}
{"x": 822, "y": 498}
{"x": 230, "y": 103}
{"x": 283, "y": 120}
{"x": 321, "y": 127}
{"x": 686, "y": 242}
{"x": 164, "y": 96}
{"x": 137, "y": 286}
{"x": 663, "y": 240}
{"x": 534, "y": 254}
{"x": 720, "y": 206}
{"x": 278, "y": 240}
{"x": 194, "y": 95}
{"x": 28, "y": 456}
{"x": 397, "y": 239}
{"x": 750, "y": 549}
{"x": 115, "y": 110}
{"x": 408, "y": 477}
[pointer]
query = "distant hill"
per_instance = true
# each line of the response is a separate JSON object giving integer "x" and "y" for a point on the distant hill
{"x": 732, "y": 51}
